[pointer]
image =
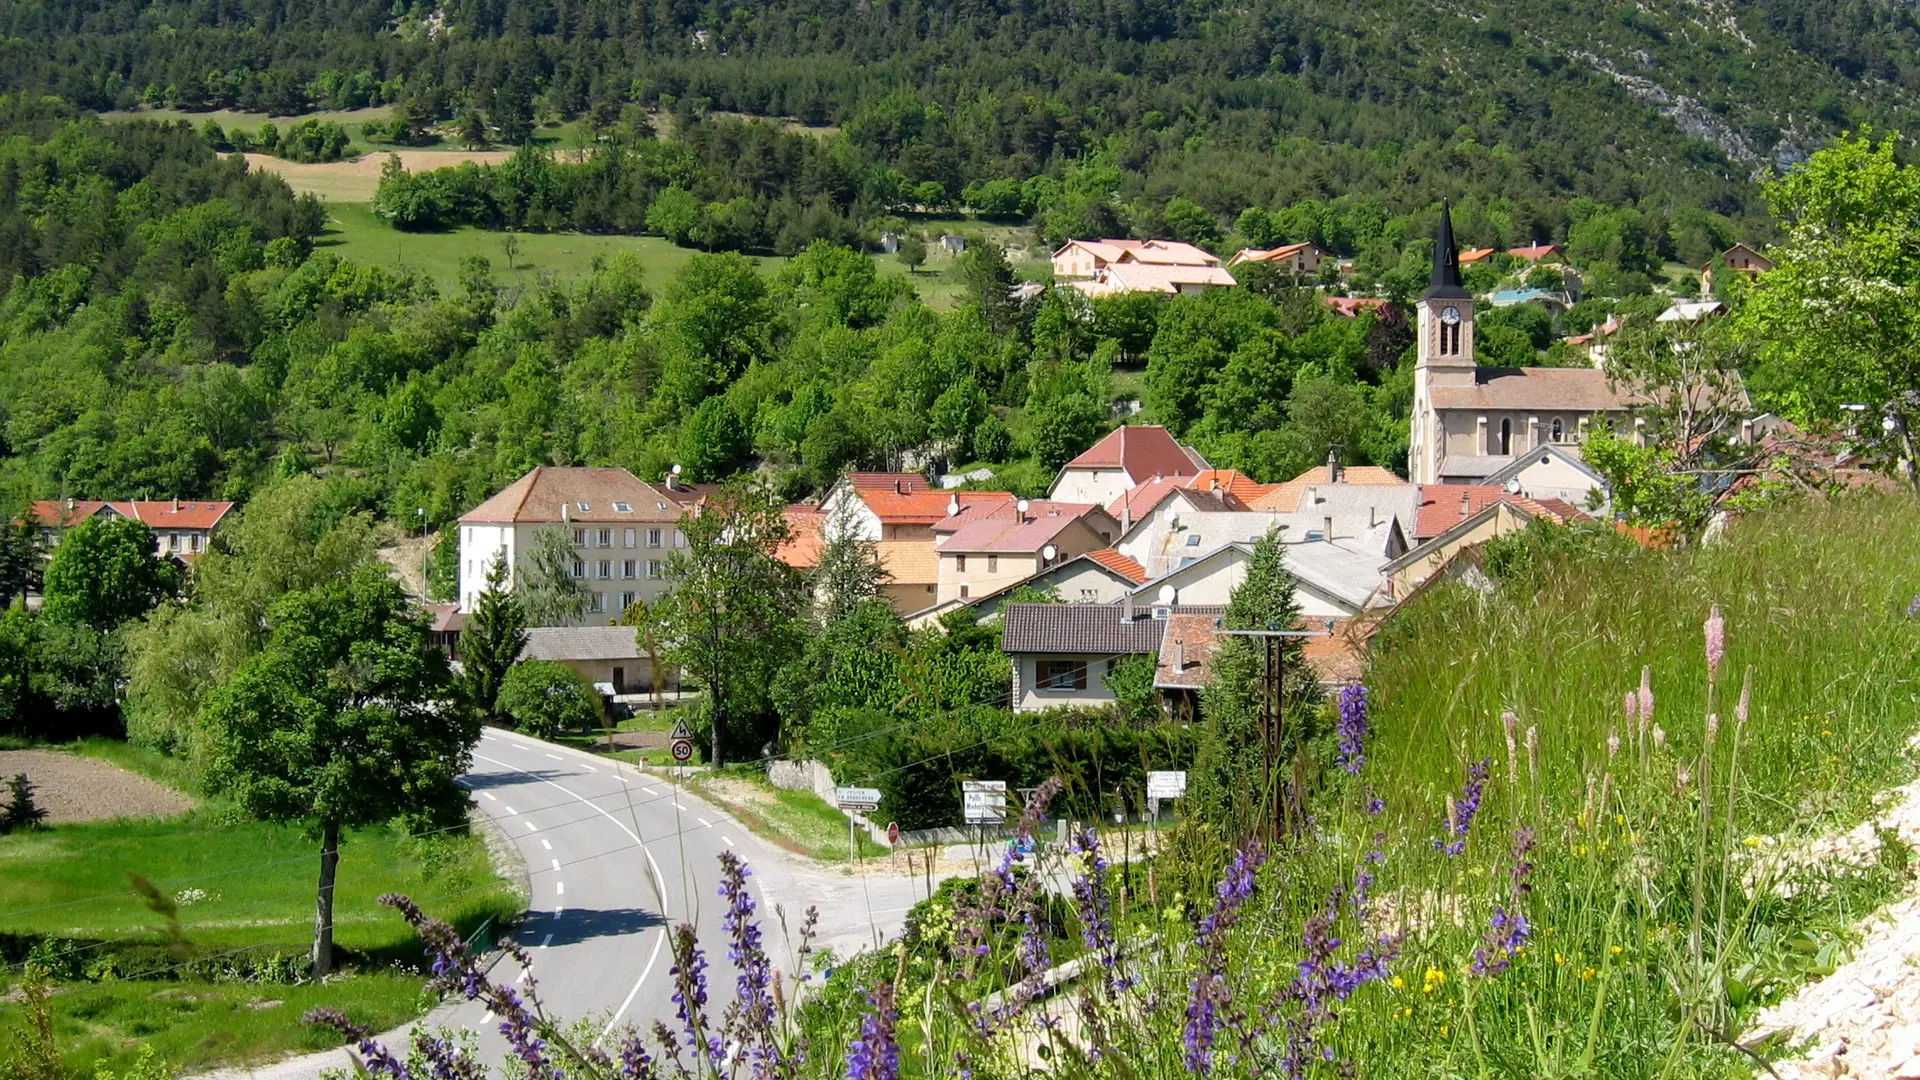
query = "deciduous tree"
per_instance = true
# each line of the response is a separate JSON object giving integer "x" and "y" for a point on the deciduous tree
{"x": 105, "y": 572}
{"x": 549, "y": 592}
{"x": 346, "y": 719}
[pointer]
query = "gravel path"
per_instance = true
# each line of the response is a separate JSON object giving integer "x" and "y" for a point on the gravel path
{"x": 74, "y": 788}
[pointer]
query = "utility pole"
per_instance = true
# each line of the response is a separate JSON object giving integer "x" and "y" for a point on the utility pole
{"x": 1282, "y": 810}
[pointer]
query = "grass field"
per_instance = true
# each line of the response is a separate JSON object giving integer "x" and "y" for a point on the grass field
{"x": 243, "y": 892}
{"x": 354, "y": 232}
{"x": 796, "y": 820}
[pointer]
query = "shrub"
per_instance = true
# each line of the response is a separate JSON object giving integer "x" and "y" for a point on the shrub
{"x": 545, "y": 698}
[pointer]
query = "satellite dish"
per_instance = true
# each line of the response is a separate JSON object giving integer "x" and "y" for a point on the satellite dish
{"x": 1049, "y": 552}
{"x": 675, "y": 470}
{"x": 1022, "y": 506}
{"x": 1167, "y": 593}
{"x": 953, "y": 506}
{"x": 1513, "y": 486}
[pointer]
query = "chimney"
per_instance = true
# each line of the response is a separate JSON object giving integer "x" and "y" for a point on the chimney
{"x": 564, "y": 515}
{"x": 69, "y": 504}
{"x": 1333, "y": 466}
{"x": 1126, "y": 611}
{"x": 1328, "y": 523}
{"x": 1179, "y": 656}
{"x": 1372, "y": 516}
{"x": 901, "y": 487}
{"x": 1746, "y": 432}
{"x": 1466, "y": 506}
{"x": 176, "y": 504}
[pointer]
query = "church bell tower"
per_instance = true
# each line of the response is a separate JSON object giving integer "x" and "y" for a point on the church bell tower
{"x": 1445, "y": 353}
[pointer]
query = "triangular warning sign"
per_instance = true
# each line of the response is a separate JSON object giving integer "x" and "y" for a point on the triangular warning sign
{"x": 680, "y": 731}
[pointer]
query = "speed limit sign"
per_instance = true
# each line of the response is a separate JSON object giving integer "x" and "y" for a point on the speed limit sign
{"x": 683, "y": 750}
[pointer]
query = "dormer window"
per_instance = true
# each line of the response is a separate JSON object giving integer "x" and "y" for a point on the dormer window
{"x": 623, "y": 508}
{"x": 584, "y": 508}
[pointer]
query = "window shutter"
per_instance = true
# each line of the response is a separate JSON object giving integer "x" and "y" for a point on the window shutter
{"x": 1080, "y": 675}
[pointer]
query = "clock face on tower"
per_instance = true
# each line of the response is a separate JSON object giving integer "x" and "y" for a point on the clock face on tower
{"x": 1450, "y": 315}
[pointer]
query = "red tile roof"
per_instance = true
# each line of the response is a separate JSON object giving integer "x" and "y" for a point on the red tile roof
{"x": 1006, "y": 530}
{"x": 1349, "y": 307}
{"x": 1474, "y": 255}
{"x": 160, "y": 514}
{"x": 806, "y": 527}
{"x": 1337, "y": 658}
{"x": 1285, "y": 498}
{"x": 1120, "y": 564}
{"x": 1534, "y": 252}
{"x": 1441, "y": 506}
{"x": 1232, "y": 483}
{"x": 1144, "y": 451}
{"x": 928, "y": 507}
{"x": 901, "y": 482}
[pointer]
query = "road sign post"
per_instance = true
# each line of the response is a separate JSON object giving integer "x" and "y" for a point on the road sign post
{"x": 984, "y": 802}
{"x": 680, "y": 743}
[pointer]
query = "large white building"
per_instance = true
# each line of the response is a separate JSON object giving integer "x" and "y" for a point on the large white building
{"x": 621, "y": 530}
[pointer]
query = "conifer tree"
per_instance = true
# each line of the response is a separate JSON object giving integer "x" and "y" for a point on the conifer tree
{"x": 492, "y": 641}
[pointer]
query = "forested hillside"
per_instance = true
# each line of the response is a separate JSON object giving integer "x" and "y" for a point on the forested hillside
{"x": 1230, "y": 106}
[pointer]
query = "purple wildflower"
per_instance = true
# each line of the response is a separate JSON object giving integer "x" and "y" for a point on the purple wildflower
{"x": 1460, "y": 818}
{"x": 689, "y": 973}
{"x": 753, "y": 1005}
{"x": 1375, "y": 804}
{"x": 1352, "y": 729}
{"x": 635, "y": 1062}
{"x": 1095, "y": 907}
{"x": 375, "y": 1058}
{"x": 1913, "y": 606}
{"x": 1521, "y": 874}
{"x": 1506, "y": 933}
{"x": 875, "y": 1055}
{"x": 1210, "y": 991}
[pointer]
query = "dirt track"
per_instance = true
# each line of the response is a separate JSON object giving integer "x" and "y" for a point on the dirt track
{"x": 73, "y": 788}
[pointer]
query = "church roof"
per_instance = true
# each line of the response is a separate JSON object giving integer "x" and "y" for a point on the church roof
{"x": 1577, "y": 389}
{"x": 1446, "y": 263}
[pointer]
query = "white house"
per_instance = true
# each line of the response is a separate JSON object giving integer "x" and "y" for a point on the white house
{"x": 1130, "y": 455}
{"x": 620, "y": 530}
{"x": 1332, "y": 580}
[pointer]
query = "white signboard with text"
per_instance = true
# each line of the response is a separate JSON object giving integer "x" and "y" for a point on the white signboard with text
{"x": 984, "y": 802}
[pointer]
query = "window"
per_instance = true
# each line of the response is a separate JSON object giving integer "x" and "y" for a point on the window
{"x": 628, "y": 568}
{"x": 579, "y": 538}
{"x": 655, "y": 537}
{"x": 1559, "y": 430}
{"x": 1089, "y": 596}
{"x": 199, "y": 543}
{"x": 993, "y": 563}
{"x": 606, "y": 538}
{"x": 679, "y": 538}
{"x": 173, "y": 541}
{"x": 579, "y": 569}
{"x": 1506, "y": 437}
{"x": 1060, "y": 674}
{"x": 653, "y": 569}
{"x": 960, "y": 563}
{"x": 599, "y": 601}
{"x": 623, "y": 508}
{"x": 963, "y": 592}
{"x": 628, "y": 539}
{"x": 606, "y": 569}
{"x": 1193, "y": 539}
{"x": 627, "y": 599}
{"x": 584, "y": 508}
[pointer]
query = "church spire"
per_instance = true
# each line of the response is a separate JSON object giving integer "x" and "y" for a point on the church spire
{"x": 1446, "y": 262}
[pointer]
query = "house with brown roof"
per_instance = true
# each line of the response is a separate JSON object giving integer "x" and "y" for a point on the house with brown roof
{"x": 1740, "y": 259}
{"x": 1450, "y": 524}
{"x": 1477, "y": 255}
{"x": 1129, "y": 455}
{"x": 984, "y": 551}
{"x": 1336, "y": 651}
{"x": 1350, "y": 307}
{"x": 1166, "y": 279}
{"x": 1470, "y": 421}
{"x": 1098, "y": 577}
{"x": 182, "y": 529}
{"x": 1302, "y": 260}
{"x": 621, "y": 530}
{"x": 1062, "y": 653}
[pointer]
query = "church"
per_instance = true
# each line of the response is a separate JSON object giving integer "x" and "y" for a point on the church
{"x": 1472, "y": 422}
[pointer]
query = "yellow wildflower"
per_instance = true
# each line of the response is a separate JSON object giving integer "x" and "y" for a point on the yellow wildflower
{"x": 1617, "y": 950}
{"x": 1445, "y": 1031}
{"x": 1581, "y": 851}
{"x": 1558, "y": 959}
{"x": 1587, "y": 974}
{"x": 1753, "y": 841}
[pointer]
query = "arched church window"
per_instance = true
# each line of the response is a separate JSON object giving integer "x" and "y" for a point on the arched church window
{"x": 1506, "y": 437}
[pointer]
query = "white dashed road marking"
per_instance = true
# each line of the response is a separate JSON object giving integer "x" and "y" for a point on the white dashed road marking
{"x": 546, "y": 941}
{"x": 555, "y": 757}
{"x": 511, "y": 812}
{"x": 546, "y": 844}
{"x": 727, "y": 838}
{"x": 702, "y": 820}
{"x": 560, "y": 888}
{"x": 489, "y": 796}
{"x": 677, "y": 806}
{"x": 556, "y": 865}
{"x": 531, "y": 827}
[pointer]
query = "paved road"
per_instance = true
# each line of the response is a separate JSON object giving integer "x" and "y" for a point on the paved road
{"x": 615, "y": 856}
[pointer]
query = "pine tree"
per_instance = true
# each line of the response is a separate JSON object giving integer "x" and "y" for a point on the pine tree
{"x": 492, "y": 641}
{"x": 1232, "y": 786}
{"x": 849, "y": 570}
{"x": 20, "y": 813}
